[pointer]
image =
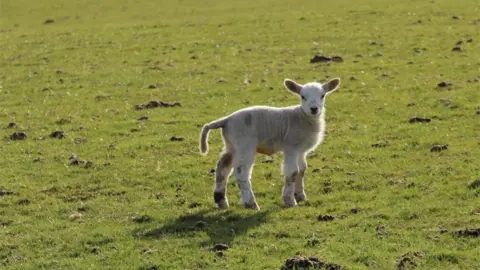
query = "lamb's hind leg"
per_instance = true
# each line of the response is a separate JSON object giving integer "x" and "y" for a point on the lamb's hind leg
{"x": 243, "y": 163}
{"x": 299, "y": 180}
{"x": 222, "y": 172}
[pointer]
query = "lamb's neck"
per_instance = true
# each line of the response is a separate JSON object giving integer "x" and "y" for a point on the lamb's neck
{"x": 315, "y": 122}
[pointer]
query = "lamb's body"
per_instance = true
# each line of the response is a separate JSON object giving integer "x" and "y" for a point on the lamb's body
{"x": 266, "y": 130}
{"x": 272, "y": 129}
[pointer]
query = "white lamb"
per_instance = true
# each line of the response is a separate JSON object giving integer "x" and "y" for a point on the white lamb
{"x": 295, "y": 131}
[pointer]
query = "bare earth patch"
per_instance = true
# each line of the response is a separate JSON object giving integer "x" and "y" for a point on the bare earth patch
{"x": 301, "y": 262}
{"x": 157, "y": 104}
{"x": 468, "y": 232}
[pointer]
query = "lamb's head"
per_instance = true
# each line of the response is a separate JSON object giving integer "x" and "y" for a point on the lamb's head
{"x": 312, "y": 94}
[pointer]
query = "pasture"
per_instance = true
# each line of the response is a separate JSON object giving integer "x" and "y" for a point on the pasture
{"x": 122, "y": 185}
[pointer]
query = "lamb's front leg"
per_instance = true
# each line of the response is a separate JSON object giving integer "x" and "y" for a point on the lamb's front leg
{"x": 290, "y": 171}
{"x": 299, "y": 181}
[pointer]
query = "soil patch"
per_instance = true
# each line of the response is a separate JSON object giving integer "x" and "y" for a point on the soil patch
{"x": 59, "y": 134}
{"x": 218, "y": 247}
{"x": 325, "y": 59}
{"x": 419, "y": 120}
{"x": 407, "y": 260}
{"x": 301, "y": 262}
{"x": 17, "y": 136}
{"x": 444, "y": 84}
{"x": 325, "y": 218}
{"x": 439, "y": 148}
{"x": 157, "y": 104}
{"x": 468, "y": 232}
{"x": 176, "y": 139}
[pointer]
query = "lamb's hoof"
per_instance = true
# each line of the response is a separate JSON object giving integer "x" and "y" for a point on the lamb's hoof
{"x": 251, "y": 205}
{"x": 289, "y": 201}
{"x": 220, "y": 199}
{"x": 222, "y": 204}
{"x": 300, "y": 197}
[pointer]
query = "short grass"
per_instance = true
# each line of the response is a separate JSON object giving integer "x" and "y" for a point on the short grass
{"x": 138, "y": 204}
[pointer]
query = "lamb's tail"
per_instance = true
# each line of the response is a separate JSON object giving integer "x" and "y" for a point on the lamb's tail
{"x": 206, "y": 129}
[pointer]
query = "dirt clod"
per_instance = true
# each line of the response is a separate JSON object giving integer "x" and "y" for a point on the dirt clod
{"x": 419, "y": 120}
{"x": 455, "y": 17}
{"x": 354, "y": 210}
{"x": 16, "y": 136}
{"x": 444, "y": 84}
{"x": 456, "y": 49}
{"x": 143, "y": 118}
{"x": 460, "y": 42}
{"x": 299, "y": 262}
{"x": 218, "y": 247}
{"x": 439, "y": 148}
{"x": 320, "y": 59}
{"x": 325, "y": 59}
{"x": 468, "y": 232}
{"x": 219, "y": 253}
{"x": 337, "y": 58}
{"x": 48, "y": 21}
{"x": 23, "y": 202}
{"x": 11, "y": 125}
{"x": 325, "y": 218}
{"x": 475, "y": 184}
{"x": 74, "y": 160}
{"x": 470, "y": 40}
{"x": 194, "y": 205}
{"x": 154, "y": 86}
{"x": 157, "y": 104}
{"x": 381, "y": 231}
{"x": 176, "y": 139}
{"x": 407, "y": 260}
{"x": 333, "y": 266}
{"x": 143, "y": 219}
{"x": 379, "y": 145}
{"x": 89, "y": 164}
{"x": 6, "y": 192}
{"x": 58, "y": 134}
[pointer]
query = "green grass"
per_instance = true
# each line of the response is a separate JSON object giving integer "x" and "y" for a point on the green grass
{"x": 85, "y": 72}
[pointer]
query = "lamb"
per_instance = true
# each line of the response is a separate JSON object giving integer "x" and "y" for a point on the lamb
{"x": 294, "y": 130}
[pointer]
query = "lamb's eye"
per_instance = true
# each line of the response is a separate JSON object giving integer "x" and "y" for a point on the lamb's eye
{"x": 303, "y": 97}
{"x": 323, "y": 96}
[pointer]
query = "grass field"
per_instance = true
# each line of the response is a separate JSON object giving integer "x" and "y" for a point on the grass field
{"x": 140, "y": 200}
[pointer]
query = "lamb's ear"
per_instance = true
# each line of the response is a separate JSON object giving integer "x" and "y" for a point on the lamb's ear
{"x": 292, "y": 86}
{"x": 331, "y": 85}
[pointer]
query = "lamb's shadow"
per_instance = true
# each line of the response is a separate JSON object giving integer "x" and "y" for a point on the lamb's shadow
{"x": 221, "y": 226}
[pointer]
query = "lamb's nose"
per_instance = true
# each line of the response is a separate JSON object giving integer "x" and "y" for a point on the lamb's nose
{"x": 314, "y": 110}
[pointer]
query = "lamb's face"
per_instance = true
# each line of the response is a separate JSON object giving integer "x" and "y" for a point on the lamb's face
{"x": 312, "y": 97}
{"x": 312, "y": 94}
